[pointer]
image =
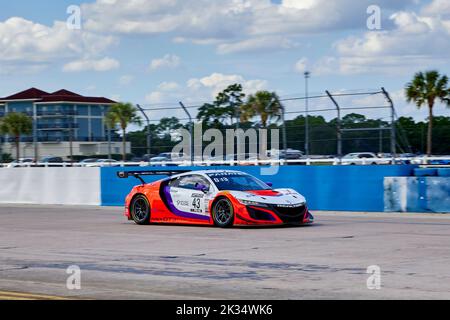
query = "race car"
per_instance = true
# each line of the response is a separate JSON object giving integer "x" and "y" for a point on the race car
{"x": 223, "y": 198}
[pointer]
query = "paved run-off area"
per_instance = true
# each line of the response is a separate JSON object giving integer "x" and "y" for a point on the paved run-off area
{"x": 121, "y": 260}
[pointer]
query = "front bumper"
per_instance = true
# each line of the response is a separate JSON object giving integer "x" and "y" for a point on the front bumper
{"x": 274, "y": 215}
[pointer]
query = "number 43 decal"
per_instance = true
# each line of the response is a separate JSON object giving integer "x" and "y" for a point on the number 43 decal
{"x": 196, "y": 203}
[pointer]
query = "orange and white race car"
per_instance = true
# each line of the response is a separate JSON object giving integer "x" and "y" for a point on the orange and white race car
{"x": 223, "y": 198}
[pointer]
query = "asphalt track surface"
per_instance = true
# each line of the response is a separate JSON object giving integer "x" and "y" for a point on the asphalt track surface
{"x": 120, "y": 260}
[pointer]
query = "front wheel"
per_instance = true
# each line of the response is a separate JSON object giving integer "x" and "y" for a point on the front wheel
{"x": 223, "y": 213}
{"x": 140, "y": 210}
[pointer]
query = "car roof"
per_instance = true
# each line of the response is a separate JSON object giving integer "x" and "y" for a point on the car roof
{"x": 206, "y": 172}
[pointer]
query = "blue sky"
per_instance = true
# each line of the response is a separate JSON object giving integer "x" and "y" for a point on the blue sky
{"x": 158, "y": 52}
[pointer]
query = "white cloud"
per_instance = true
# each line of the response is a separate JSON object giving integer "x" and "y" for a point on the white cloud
{"x": 22, "y": 41}
{"x": 168, "y": 61}
{"x": 197, "y": 91}
{"x": 301, "y": 65}
{"x": 258, "y": 44}
{"x": 217, "y": 82}
{"x": 437, "y": 8}
{"x": 125, "y": 80}
{"x": 168, "y": 86}
{"x": 230, "y": 23}
{"x": 100, "y": 65}
{"x": 155, "y": 97}
{"x": 419, "y": 41}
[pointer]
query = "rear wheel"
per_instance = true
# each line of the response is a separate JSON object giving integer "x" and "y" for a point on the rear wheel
{"x": 223, "y": 213}
{"x": 140, "y": 210}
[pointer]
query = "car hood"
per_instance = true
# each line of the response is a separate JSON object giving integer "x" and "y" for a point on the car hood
{"x": 276, "y": 196}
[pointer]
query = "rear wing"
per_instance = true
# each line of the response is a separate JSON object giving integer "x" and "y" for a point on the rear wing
{"x": 138, "y": 174}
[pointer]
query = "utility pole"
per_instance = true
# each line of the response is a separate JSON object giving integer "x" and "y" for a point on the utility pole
{"x": 307, "y": 76}
{"x": 191, "y": 131}
{"x": 149, "y": 133}
{"x": 393, "y": 132}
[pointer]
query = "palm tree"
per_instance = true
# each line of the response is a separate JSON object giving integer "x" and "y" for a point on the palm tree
{"x": 122, "y": 114}
{"x": 424, "y": 89}
{"x": 263, "y": 103}
{"x": 15, "y": 125}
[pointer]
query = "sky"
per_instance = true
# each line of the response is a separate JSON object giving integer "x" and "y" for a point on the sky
{"x": 158, "y": 52}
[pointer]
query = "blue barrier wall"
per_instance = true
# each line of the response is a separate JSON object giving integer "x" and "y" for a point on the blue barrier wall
{"x": 417, "y": 194}
{"x": 341, "y": 188}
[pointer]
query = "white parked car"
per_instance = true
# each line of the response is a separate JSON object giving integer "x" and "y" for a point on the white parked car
{"x": 22, "y": 162}
{"x": 363, "y": 158}
{"x": 103, "y": 163}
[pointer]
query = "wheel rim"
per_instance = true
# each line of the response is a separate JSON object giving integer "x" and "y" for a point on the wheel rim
{"x": 140, "y": 209}
{"x": 223, "y": 211}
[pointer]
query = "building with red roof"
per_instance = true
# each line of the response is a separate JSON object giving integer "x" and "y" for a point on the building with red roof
{"x": 61, "y": 118}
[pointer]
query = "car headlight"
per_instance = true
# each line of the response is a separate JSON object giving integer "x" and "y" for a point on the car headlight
{"x": 252, "y": 203}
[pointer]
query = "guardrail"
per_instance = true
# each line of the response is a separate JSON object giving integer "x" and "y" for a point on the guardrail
{"x": 426, "y": 161}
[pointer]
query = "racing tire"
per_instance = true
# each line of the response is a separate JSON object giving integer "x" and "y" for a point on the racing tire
{"x": 140, "y": 210}
{"x": 223, "y": 213}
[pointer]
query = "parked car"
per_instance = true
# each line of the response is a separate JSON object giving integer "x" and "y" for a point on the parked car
{"x": 170, "y": 159}
{"x": 22, "y": 162}
{"x": 104, "y": 163}
{"x": 51, "y": 159}
{"x": 161, "y": 161}
{"x": 363, "y": 158}
{"x": 84, "y": 162}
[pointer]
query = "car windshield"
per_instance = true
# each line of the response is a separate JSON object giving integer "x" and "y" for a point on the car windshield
{"x": 237, "y": 181}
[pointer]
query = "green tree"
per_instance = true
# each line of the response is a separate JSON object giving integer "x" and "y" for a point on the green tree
{"x": 166, "y": 125}
{"x": 225, "y": 107}
{"x": 122, "y": 115}
{"x": 425, "y": 89}
{"x": 264, "y": 104}
{"x": 15, "y": 125}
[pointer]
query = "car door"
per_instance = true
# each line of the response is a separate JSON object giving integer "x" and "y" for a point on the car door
{"x": 186, "y": 198}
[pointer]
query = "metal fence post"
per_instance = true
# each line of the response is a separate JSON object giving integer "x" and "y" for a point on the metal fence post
{"x": 393, "y": 133}
{"x": 338, "y": 124}
{"x": 149, "y": 133}
{"x": 191, "y": 131}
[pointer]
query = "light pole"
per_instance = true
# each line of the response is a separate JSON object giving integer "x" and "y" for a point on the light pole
{"x": 191, "y": 131}
{"x": 307, "y": 76}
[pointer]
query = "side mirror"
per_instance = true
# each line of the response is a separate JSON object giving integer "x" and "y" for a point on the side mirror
{"x": 201, "y": 187}
{"x": 270, "y": 184}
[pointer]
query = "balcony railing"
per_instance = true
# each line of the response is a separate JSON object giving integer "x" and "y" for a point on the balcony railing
{"x": 57, "y": 126}
{"x": 53, "y": 113}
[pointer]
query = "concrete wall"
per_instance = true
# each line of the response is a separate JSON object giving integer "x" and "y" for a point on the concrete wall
{"x": 346, "y": 188}
{"x": 62, "y": 149}
{"x": 70, "y": 186}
